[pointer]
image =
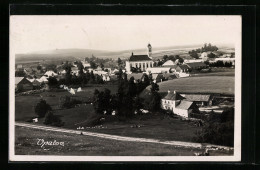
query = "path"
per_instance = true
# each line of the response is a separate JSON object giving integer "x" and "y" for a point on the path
{"x": 123, "y": 138}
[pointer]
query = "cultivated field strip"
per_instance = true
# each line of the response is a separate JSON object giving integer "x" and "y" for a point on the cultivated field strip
{"x": 123, "y": 138}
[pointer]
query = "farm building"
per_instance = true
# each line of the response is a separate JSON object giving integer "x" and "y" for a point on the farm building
{"x": 157, "y": 77}
{"x": 175, "y": 103}
{"x": 140, "y": 61}
{"x": 169, "y": 63}
{"x": 199, "y": 99}
{"x": 181, "y": 68}
{"x": 22, "y": 84}
{"x": 156, "y": 70}
{"x": 105, "y": 77}
{"x": 196, "y": 65}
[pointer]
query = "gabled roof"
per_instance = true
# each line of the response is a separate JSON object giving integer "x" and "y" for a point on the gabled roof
{"x": 197, "y": 97}
{"x": 18, "y": 79}
{"x": 139, "y": 58}
{"x": 50, "y": 73}
{"x": 169, "y": 63}
{"x": 172, "y": 96}
{"x": 185, "y": 105}
{"x": 154, "y": 76}
{"x": 196, "y": 64}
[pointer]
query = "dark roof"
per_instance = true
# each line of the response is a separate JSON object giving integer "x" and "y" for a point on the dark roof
{"x": 139, "y": 58}
{"x": 137, "y": 76}
{"x": 172, "y": 96}
{"x": 196, "y": 97}
{"x": 184, "y": 105}
{"x": 196, "y": 64}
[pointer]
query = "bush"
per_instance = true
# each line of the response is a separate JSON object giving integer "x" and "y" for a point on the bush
{"x": 42, "y": 108}
{"x": 67, "y": 102}
{"x": 53, "y": 120}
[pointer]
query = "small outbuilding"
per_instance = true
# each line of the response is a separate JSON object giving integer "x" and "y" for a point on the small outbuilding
{"x": 23, "y": 84}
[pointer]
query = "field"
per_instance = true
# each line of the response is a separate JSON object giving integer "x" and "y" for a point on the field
{"x": 26, "y": 144}
{"x": 200, "y": 84}
{"x": 24, "y": 105}
{"x": 154, "y": 125}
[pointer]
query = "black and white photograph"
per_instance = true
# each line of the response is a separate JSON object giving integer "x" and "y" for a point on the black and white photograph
{"x": 125, "y": 88}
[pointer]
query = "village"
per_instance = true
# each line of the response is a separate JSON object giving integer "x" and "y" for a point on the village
{"x": 132, "y": 94}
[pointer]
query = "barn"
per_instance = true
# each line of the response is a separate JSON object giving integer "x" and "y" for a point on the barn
{"x": 22, "y": 84}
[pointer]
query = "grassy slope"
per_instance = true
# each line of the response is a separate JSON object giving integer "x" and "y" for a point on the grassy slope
{"x": 26, "y": 144}
{"x": 24, "y": 105}
{"x": 200, "y": 84}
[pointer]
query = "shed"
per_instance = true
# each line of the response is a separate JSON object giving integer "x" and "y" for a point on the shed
{"x": 22, "y": 84}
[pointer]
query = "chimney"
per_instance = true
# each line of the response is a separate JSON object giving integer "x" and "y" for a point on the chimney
{"x": 169, "y": 91}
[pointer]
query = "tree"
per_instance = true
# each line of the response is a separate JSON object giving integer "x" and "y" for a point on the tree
{"x": 52, "y": 67}
{"x": 20, "y": 74}
{"x": 154, "y": 87}
{"x": 211, "y": 55}
{"x": 131, "y": 87}
{"x": 119, "y": 62}
{"x": 93, "y": 65}
{"x": 52, "y": 82}
{"x": 42, "y": 108}
{"x": 155, "y": 103}
{"x": 39, "y": 67}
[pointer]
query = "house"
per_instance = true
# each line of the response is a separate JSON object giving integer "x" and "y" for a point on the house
{"x": 50, "y": 74}
{"x": 74, "y": 70}
{"x": 156, "y": 70}
{"x": 43, "y": 79}
{"x": 85, "y": 63}
{"x": 193, "y": 61}
{"x": 176, "y": 103}
{"x": 169, "y": 63}
{"x": 181, "y": 68}
{"x": 196, "y": 65}
{"x": 137, "y": 76}
{"x": 36, "y": 83}
{"x": 22, "y": 84}
{"x": 157, "y": 77}
{"x": 140, "y": 61}
{"x": 105, "y": 77}
{"x": 199, "y": 99}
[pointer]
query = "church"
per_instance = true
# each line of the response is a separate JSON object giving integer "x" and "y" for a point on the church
{"x": 140, "y": 61}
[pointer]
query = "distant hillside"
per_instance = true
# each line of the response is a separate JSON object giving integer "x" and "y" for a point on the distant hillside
{"x": 79, "y": 54}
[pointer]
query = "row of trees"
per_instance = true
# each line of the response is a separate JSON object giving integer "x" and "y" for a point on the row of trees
{"x": 126, "y": 101}
{"x": 205, "y": 48}
{"x": 221, "y": 64}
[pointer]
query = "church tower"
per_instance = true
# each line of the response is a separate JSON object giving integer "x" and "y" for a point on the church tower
{"x": 149, "y": 50}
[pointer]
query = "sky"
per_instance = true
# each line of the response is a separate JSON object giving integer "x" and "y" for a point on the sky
{"x": 121, "y": 32}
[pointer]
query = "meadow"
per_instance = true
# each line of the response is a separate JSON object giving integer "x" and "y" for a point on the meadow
{"x": 197, "y": 84}
{"x": 26, "y": 144}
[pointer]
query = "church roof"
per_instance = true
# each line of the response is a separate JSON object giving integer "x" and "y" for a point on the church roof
{"x": 139, "y": 58}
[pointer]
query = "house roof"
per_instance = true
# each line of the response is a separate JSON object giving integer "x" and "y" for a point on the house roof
{"x": 18, "y": 79}
{"x": 169, "y": 63}
{"x": 196, "y": 97}
{"x": 196, "y": 64}
{"x": 139, "y": 58}
{"x": 181, "y": 66}
{"x": 50, "y": 73}
{"x": 172, "y": 96}
{"x": 154, "y": 76}
{"x": 137, "y": 76}
{"x": 185, "y": 105}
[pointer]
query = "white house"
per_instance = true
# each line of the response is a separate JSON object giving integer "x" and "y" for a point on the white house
{"x": 50, "y": 74}
{"x": 168, "y": 63}
{"x": 140, "y": 61}
{"x": 175, "y": 103}
{"x": 156, "y": 70}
